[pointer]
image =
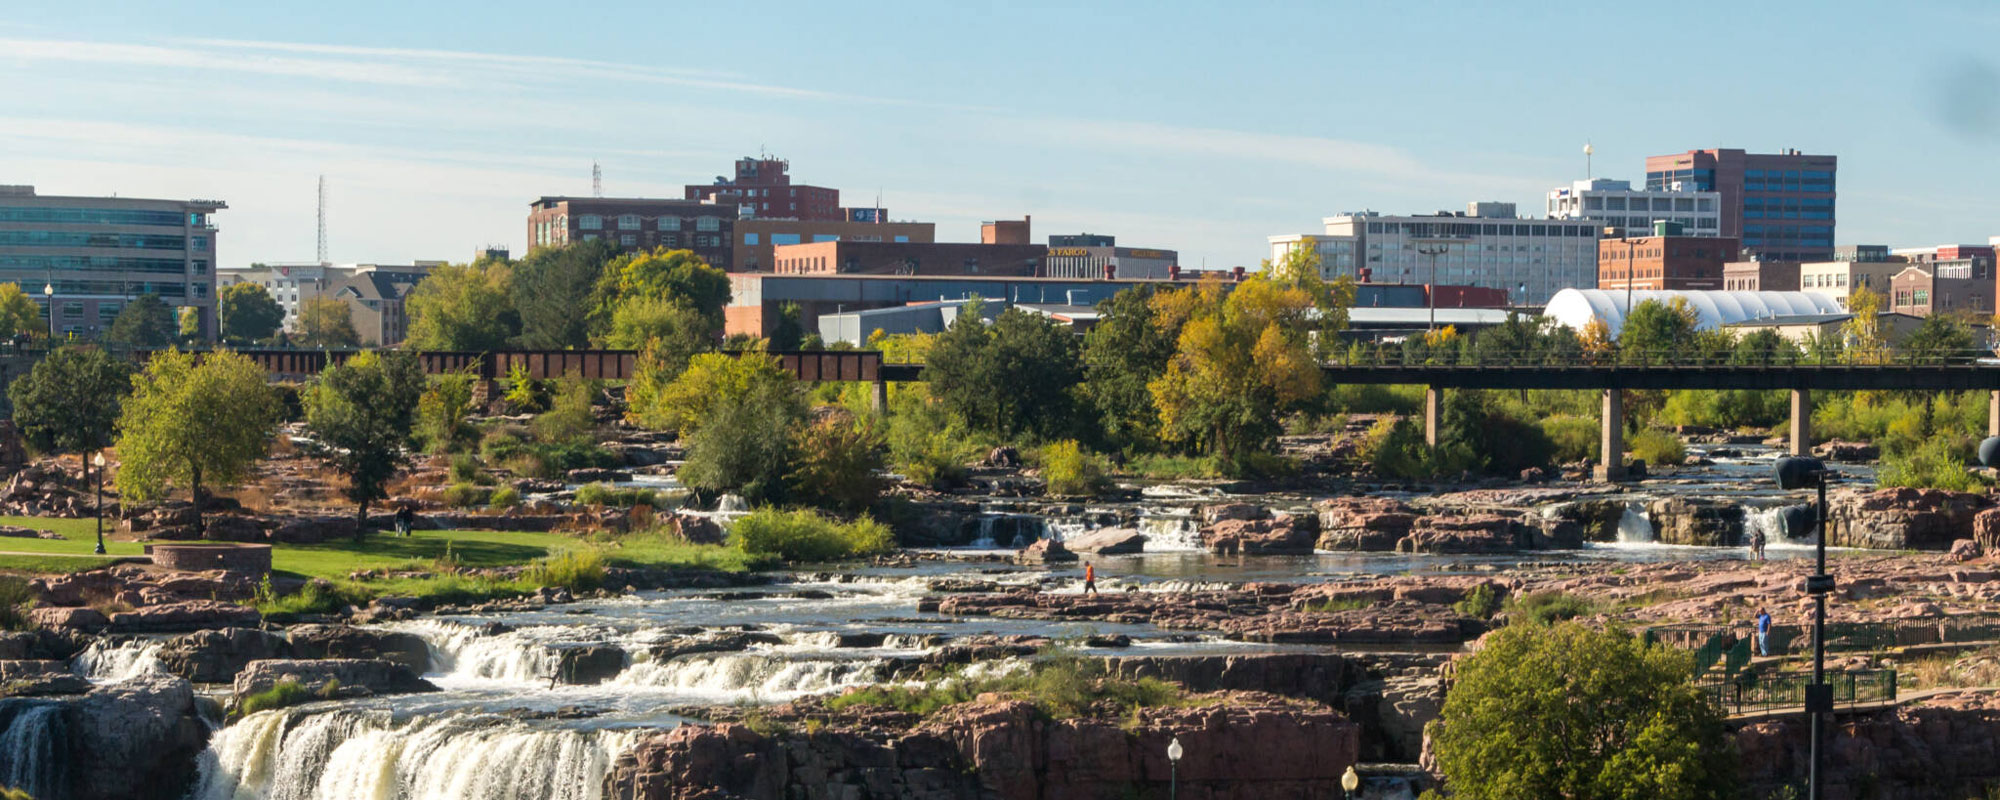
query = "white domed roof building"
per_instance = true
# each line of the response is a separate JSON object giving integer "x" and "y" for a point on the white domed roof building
{"x": 1574, "y": 308}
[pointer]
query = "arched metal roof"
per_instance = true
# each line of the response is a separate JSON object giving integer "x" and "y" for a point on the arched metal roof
{"x": 1576, "y": 307}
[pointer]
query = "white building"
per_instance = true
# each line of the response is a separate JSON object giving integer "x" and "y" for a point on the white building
{"x": 1489, "y": 246}
{"x": 1632, "y": 212}
{"x": 1576, "y": 308}
{"x": 292, "y": 284}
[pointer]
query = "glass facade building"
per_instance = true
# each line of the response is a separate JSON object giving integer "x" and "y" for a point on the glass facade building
{"x": 87, "y": 257}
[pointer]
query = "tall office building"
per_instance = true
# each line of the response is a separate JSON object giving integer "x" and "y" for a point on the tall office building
{"x": 1489, "y": 246}
{"x": 1625, "y": 211}
{"x": 99, "y": 253}
{"x": 762, "y": 187}
{"x": 1780, "y": 205}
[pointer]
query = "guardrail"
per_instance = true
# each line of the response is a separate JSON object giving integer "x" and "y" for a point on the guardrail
{"x": 1753, "y": 691}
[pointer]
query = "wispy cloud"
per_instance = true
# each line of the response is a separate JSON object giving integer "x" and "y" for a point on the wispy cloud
{"x": 186, "y": 58}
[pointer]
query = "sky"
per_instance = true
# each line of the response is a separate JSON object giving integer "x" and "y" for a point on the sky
{"x": 1201, "y": 127}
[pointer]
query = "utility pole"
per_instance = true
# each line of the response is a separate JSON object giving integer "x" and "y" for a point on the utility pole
{"x": 322, "y": 220}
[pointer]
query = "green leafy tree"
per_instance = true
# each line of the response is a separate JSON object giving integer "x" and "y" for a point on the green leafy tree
{"x": 554, "y": 289}
{"x": 190, "y": 324}
{"x": 360, "y": 415}
{"x": 1479, "y": 434}
{"x": 327, "y": 322}
{"x": 463, "y": 307}
{"x": 1126, "y": 351}
{"x": 442, "y": 412}
{"x": 790, "y": 331}
{"x": 1658, "y": 333}
{"x": 1522, "y": 339}
{"x": 1015, "y": 376}
{"x": 673, "y": 330}
{"x": 19, "y": 313}
{"x": 737, "y": 414}
{"x": 1863, "y": 341}
{"x": 145, "y": 322}
{"x": 570, "y": 417}
{"x": 1764, "y": 347}
{"x": 1939, "y": 339}
{"x": 1571, "y": 712}
{"x": 192, "y": 422}
{"x": 247, "y": 313}
{"x": 835, "y": 464}
{"x": 662, "y": 274}
{"x": 69, "y": 402}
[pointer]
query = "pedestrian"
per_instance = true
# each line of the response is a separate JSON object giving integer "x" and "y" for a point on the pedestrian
{"x": 1090, "y": 579}
{"x": 405, "y": 519}
{"x": 1757, "y": 544}
{"x": 1763, "y": 632}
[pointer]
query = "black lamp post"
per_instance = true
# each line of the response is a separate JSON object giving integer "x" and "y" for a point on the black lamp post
{"x": 1174, "y": 767}
{"x": 98, "y": 461}
{"x": 1350, "y": 781}
{"x": 1798, "y": 472}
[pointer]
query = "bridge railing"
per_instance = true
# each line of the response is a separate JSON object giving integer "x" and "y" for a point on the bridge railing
{"x": 1753, "y": 691}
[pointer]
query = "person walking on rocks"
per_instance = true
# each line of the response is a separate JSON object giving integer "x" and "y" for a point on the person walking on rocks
{"x": 1090, "y": 579}
{"x": 1757, "y": 544}
{"x": 1763, "y": 632}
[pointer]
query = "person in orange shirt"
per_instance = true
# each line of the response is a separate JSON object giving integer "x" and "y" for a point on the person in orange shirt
{"x": 1090, "y": 579}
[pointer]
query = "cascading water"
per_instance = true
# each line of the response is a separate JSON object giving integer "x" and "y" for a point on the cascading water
{"x": 339, "y": 755}
{"x": 1634, "y": 527}
{"x": 1779, "y": 523}
{"x": 107, "y": 660}
{"x": 1171, "y": 534}
{"x": 30, "y": 733}
{"x": 752, "y": 676}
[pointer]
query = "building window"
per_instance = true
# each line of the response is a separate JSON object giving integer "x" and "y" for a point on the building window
{"x": 826, "y": 237}
{"x": 589, "y": 222}
{"x": 590, "y": 237}
{"x": 750, "y": 239}
{"x": 628, "y": 222}
{"x": 707, "y": 224}
{"x": 107, "y": 312}
{"x": 902, "y": 238}
{"x": 670, "y": 223}
{"x": 784, "y": 238}
{"x": 627, "y": 240}
{"x": 670, "y": 240}
{"x": 201, "y": 266}
{"x": 198, "y": 243}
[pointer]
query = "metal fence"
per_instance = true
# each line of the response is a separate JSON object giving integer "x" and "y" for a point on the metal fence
{"x": 1752, "y": 690}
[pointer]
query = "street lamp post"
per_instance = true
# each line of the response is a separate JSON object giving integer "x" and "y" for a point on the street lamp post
{"x": 1174, "y": 769}
{"x": 1798, "y": 472}
{"x": 1433, "y": 248}
{"x": 49, "y": 294}
{"x": 98, "y": 461}
{"x": 1350, "y": 781}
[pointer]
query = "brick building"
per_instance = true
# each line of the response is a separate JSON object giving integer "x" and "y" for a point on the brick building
{"x": 1780, "y": 205}
{"x": 763, "y": 187}
{"x": 1007, "y": 231}
{"x": 1760, "y": 276}
{"x": 756, "y": 238}
{"x": 893, "y": 258}
{"x": 1663, "y": 262}
{"x": 634, "y": 223}
{"x": 1963, "y": 285}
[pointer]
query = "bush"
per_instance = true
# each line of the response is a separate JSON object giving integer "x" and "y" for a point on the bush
{"x": 316, "y": 597}
{"x": 1165, "y": 467}
{"x": 1481, "y": 602}
{"x": 525, "y": 395}
{"x": 575, "y": 569}
{"x": 1395, "y": 448}
{"x": 502, "y": 444}
{"x": 504, "y": 498}
{"x": 926, "y": 443}
{"x": 1071, "y": 470}
{"x": 604, "y": 494}
{"x": 15, "y": 597}
{"x": 1939, "y": 463}
{"x": 441, "y": 413}
{"x": 465, "y": 468}
{"x": 563, "y": 457}
{"x": 570, "y": 417}
{"x": 1547, "y": 607}
{"x": 1657, "y": 447}
{"x": 463, "y": 495}
{"x": 1571, "y": 438}
{"x": 804, "y": 535}
{"x": 284, "y": 694}
{"x": 1568, "y": 711}
{"x": 836, "y": 462}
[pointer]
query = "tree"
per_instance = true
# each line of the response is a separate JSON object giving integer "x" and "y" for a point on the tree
{"x": 671, "y": 328}
{"x": 69, "y": 402}
{"x": 1571, "y": 712}
{"x": 19, "y": 313}
{"x": 663, "y": 274}
{"x": 1015, "y": 376}
{"x": 1862, "y": 339}
{"x": 789, "y": 332}
{"x": 1939, "y": 339}
{"x": 192, "y": 422}
{"x": 360, "y": 414}
{"x": 554, "y": 290}
{"x": 441, "y": 413}
{"x": 834, "y": 464}
{"x": 1245, "y": 357}
{"x": 1658, "y": 333}
{"x": 246, "y": 313}
{"x": 737, "y": 414}
{"x": 144, "y": 323}
{"x": 1764, "y": 347}
{"x": 327, "y": 322}
{"x": 467, "y": 307}
{"x": 190, "y": 323}
{"x": 1121, "y": 355}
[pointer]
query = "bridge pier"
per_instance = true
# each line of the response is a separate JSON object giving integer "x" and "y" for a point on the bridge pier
{"x": 1433, "y": 414}
{"x": 1611, "y": 445}
{"x": 878, "y": 397}
{"x": 1799, "y": 439}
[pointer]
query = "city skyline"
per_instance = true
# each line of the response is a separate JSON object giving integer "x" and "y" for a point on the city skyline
{"x": 437, "y": 126}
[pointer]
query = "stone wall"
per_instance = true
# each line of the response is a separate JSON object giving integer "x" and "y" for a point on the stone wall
{"x": 254, "y": 559}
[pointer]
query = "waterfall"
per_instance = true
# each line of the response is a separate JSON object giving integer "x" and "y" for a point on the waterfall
{"x": 32, "y": 758}
{"x": 463, "y": 651}
{"x": 108, "y": 660}
{"x": 1171, "y": 535}
{"x": 985, "y": 540}
{"x": 1061, "y": 530}
{"x": 1779, "y": 523}
{"x": 1634, "y": 527}
{"x": 341, "y": 755}
{"x": 752, "y": 676}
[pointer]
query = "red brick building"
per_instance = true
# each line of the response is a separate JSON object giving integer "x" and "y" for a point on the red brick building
{"x": 909, "y": 258}
{"x": 1663, "y": 262}
{"x": 762, "y": 188}
{"x": 1761, "y": 276}
{"x": 634, "y": 223}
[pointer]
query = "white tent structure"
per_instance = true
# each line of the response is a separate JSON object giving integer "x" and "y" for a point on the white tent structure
{"x": 1574, "y": 308}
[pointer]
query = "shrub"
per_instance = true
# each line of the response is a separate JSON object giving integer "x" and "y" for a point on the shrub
{"x": 1571, "y": 438}
{"x": 1071, "y": 470}
{"x": 563, "y": 457}
{"x": 463, "y": 495}
{"x": 1159, "y": 466}
{"x": 15, "y": 597}
{"x": 604, "y": 494}
{"x": 1481, "y": 602}
{"x": 465, "y": 468}
{"x": 441, "y": 413}
{"x": 1546, "y": 607}
{"x": 1395, "y": 448}
{"x": 285, "y": 693}
{"x": 525, "y": 395}
{"x": 1657, "y": 447}
{"x": 804, "y": 535}
{"x": 575, "y": 569}
{"x": 502, "y": 444}
{"x": 1939, "y": 463}
{"x": 504, "y": 498}
{"x": 570, "y": 417}
{"x": 836, "y": 462}
{"x": 316, "y": 597}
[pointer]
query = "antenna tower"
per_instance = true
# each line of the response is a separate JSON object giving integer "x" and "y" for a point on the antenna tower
{"x": 322, "y": 219}
{"x": 596, "y": 180}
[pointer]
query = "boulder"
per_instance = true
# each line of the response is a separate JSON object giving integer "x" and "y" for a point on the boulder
{"x": 596, "y": 475}
{"x": 1004, "y": 457}
{"x": 1473, "y": 533}
{"x": 1902, "y": 519}
{"x": 1837, "y": 450}
{"x": 140, "y": 738}
{"x": 1598, "y": 517}
{"x": 313, "y": 530}
{"x": 1986, "y": 530}
{"x": 232, "y": 528}
{"x": 1107, "y": 542}
{"x": 215, "y": 656}
{"x": 1696, "y": 521}
{"x": 588, "y": 664}
{"x": 711, "y": 642}
{"x": 192, "y": 615}
{"x": 1363, "y": 523}
{"x": 1279, "y": 534}
{"x": 695, "y": 529}
{"x": 356, "y": 675}
{"x": 1222, "y": 512}
{"x": 1044, "y": 551}
{"x": 72, "y": 618}
{"x": 344, "y": 641}
{"x": 1964, "y": 550}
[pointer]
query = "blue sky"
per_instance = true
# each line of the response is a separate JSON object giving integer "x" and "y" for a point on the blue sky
{"x": 1198, "y": 126}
